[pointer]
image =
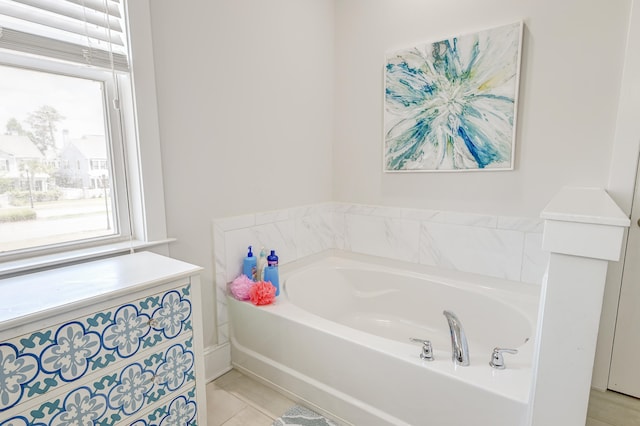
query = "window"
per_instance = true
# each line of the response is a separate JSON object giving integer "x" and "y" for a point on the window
{"x": 97, "y": 164}
{"x": 63, "y": 68}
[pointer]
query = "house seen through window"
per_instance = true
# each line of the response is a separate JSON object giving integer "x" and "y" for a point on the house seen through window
{"x": 50, "y": 121}
{"x": 63, "y": 65}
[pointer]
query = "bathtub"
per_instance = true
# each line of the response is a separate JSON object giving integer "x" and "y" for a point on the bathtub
{"x": 337, "y": 339}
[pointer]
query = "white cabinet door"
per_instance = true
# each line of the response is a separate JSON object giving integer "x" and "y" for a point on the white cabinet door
{"x": 624, "y": 375}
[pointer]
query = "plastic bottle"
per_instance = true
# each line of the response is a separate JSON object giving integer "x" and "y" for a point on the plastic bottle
{"x": 272, "y": 259}
{"x": 249, "y": 265}
{"x": 271, "y": 275}
{"x": 262, "y": 263}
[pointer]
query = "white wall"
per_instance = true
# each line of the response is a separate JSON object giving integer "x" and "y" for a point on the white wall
{"x": 572, "y": 65}
{"x": 269, "y": 105}
{"x": 245, "y": 108}
{"x": 621, "y": 187}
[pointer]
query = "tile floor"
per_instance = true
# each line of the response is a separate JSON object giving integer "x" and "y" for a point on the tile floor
{"x": 237, "y": 400}
{"x": 234, "y": 399}
{"x": 613, "y": 409}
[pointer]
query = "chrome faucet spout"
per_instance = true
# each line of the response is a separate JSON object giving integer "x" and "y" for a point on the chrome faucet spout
{"x": 459, "y": 346}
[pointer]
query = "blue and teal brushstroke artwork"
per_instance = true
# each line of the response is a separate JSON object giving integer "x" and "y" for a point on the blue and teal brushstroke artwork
{"x": 451, "y": 105}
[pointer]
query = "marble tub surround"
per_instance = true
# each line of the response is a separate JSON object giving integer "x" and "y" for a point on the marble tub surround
{"x": 498, "y": 246}
{"x": 294, "y": 233}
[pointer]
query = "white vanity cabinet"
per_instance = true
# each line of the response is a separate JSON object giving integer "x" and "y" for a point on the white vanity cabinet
{"x": 108, "y": 342}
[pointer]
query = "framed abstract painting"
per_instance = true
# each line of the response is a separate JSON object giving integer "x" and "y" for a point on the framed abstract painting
{"x": 451, "y": 105}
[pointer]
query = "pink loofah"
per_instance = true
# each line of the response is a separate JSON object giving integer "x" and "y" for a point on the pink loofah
{"x": 262, "y": 293}
{"x": 240, "y": 287}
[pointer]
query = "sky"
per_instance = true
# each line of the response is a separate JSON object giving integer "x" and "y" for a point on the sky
{"x": 79, "y": 100}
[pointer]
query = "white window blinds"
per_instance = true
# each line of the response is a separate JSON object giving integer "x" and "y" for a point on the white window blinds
{"x": 88, "y": 32}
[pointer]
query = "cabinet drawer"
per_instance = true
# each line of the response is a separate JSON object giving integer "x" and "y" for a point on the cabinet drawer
{"x": 37, "y": 363}
{"x": 109, "y": 398}
{"x": 181, "y": 410}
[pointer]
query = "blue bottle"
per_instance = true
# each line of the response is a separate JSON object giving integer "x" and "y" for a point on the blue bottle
{"x": 249, "y": 265}
{"x": 271, "y": 275}
{"x": 272, "y": 259}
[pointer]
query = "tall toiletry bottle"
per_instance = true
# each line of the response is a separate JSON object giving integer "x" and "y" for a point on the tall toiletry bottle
{"x": 262, "y": 263}
{"x": 249, "y": 265}
{"x": 271, "y": 271}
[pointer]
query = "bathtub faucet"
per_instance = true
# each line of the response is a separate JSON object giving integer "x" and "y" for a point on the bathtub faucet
{"x": 459, "y": 346}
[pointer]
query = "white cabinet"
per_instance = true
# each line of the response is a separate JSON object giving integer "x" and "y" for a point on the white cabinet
{"x": 115, "y": 341}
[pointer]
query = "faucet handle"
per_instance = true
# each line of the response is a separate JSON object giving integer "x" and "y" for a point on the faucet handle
{"x": 497, "y": 360}
{"x": 427, "y": 350}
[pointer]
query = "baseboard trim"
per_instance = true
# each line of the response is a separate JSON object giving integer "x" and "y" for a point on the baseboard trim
{"x": 217, "y": 361}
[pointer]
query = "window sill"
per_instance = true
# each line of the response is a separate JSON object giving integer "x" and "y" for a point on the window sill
{"x": 38, "y": 263}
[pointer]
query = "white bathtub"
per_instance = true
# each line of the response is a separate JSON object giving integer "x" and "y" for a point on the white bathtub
{"x": 338, "y": 339}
